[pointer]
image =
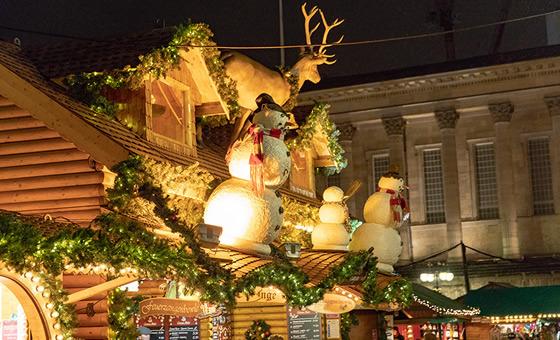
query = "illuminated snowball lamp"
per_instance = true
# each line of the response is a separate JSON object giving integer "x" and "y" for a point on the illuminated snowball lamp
{"x": 409, "y": 332}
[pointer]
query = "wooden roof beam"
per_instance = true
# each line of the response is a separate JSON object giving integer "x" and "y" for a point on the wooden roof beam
{"x": 58, "y": 118}
{"x": 100, "y": 288}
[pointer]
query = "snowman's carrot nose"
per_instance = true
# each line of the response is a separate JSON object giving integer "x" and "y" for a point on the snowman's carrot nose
{"x": 405, "y": 187}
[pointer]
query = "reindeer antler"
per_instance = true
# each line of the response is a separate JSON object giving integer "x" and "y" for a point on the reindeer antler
{"x": 307, "y": 21}
{"x": 321, "y": 51}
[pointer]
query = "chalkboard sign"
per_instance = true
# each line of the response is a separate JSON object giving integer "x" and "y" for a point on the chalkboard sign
{"x": 184, "y": 328}
{"x": 303, "y": 324}
{"x": 158, "y": 333}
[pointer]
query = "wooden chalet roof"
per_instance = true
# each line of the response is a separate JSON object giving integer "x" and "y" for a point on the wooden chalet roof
{"x": 106, "y": 140}
{"x": 76, "y": 56}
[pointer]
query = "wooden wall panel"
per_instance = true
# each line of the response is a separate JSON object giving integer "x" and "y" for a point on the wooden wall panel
{"x": 244, "y": 314}
{"x": 41, "y": 173}
{"x": 94, "y": 326}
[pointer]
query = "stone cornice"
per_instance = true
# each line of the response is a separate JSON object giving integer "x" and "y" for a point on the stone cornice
{"x": 470, "y": 81}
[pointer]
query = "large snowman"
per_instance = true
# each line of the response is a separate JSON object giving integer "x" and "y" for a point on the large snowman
{"x": 247, "y": 207}
{"x": 384, "y": 212}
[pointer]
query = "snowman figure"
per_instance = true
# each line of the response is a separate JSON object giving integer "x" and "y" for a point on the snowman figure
{"x": 247, "y": 207}
{"x": 331, "y": 233}
{"x": 269, "y": 159}
{"x": 384, "y": 212}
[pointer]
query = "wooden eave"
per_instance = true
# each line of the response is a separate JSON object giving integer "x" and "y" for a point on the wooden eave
{"x": 211, "y": 102}
{"x": 59, "y": 118}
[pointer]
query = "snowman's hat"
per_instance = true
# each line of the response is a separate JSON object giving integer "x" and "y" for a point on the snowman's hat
{"x": 393, "y": 172}
{"x": 266, "y": 100}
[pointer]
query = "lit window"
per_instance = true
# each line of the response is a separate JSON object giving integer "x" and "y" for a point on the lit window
{"x": 433, "y": 186}
{"x": 486, "y": 186}
{"x": 541, "y": 176}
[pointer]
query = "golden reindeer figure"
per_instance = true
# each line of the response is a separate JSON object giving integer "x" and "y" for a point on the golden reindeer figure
{"x": 254, "y": 78}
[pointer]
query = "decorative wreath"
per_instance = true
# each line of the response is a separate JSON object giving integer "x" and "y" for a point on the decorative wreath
{"x": 258, "y": 331}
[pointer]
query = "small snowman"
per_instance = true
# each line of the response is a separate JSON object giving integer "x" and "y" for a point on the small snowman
{"x": 247, "y": 207}
{"x": 332, "y": 233}
{"x": 384, "y": 212}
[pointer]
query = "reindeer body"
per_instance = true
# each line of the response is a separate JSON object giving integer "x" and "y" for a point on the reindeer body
{"x": 253, "y": 79}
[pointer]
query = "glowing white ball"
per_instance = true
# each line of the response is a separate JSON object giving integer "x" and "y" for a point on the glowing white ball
{"x": 244, "y": 215}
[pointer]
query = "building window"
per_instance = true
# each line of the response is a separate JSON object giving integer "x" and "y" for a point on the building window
{"x": 486, "y": 186}
{"x": 333, "y": 180}
{"x": 541, "y": 176}
{"x": 168, "y": 113}
{"x": 380, "y": 166}
{"x": 433, "y": 186}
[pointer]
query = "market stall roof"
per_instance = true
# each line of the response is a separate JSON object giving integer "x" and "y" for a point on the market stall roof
{"x": 440, "y": 302}
{"x": 515, "y": 300}
{"x": 23, "y": 79}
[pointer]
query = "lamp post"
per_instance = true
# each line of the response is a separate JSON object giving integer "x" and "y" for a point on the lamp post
{"x": 437, "y": 277}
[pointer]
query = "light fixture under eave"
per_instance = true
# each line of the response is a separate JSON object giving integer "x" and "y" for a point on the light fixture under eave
{"x": 209, "y": 235}
{"x": 292, "y": 249}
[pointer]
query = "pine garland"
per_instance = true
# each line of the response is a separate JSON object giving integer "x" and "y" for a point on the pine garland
{"x": 120, "y": 316}
{"x": 119, "y": 242}
{"x": 319, "y": 118}
{"x": 347, "y": 320}
{"x": 88, "y": 87}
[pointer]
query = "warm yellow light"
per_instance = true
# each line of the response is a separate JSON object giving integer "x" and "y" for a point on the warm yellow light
{"x": 231, "y": 212}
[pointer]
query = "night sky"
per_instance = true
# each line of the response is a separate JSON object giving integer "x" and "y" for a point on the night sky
{"x": 256, "y": 23}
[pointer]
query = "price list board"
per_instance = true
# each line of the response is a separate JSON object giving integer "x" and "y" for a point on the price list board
{"x": 156, "y": 324}
{"x": 303, "y": 324}
{"x": 183, "y": 328}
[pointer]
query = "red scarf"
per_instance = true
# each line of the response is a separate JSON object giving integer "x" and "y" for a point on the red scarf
{"x": 397, "y": 203}
{"x": 257, "y": 157}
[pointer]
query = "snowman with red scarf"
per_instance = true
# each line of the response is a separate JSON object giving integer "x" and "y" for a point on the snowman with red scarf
{"x": 248, "y": 207}
{"x": 384, "y": 212}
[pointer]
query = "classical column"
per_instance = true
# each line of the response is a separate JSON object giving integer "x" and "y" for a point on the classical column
{"x": 347, "y": 132}
{"x": 394, "y": 128}
{"x": 553, "y": 105}
{"x": 447, "y": 119}
{"x": 501, "y": 114}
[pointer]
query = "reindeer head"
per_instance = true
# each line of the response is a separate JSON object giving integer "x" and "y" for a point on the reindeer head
{"x": 311, "y": 59}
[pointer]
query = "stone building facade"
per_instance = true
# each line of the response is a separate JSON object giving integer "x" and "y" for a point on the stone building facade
{"x": 480, "y": 150}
